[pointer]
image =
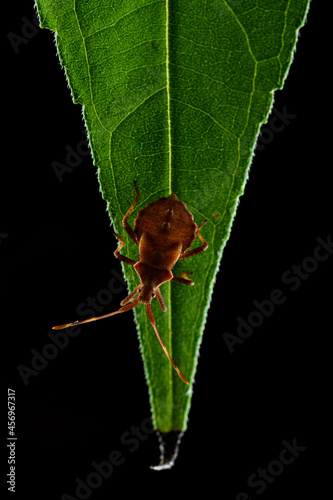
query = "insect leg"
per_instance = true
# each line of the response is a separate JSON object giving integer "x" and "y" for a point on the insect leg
{"x": 160, "y": 300}
{"x": 129, "y": 298}
{"x": 197, "y": 250}
{"x": 126, "y": 225}
{"x": 121, "y": 257}
{"x": 184, "y": 281}
{"x": 152, "y": 320}
{"x": 184, "y": 275}
{"x": 121, "y": 310}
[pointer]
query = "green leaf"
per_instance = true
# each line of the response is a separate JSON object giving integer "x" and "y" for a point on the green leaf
{"x": 173, "y": 96}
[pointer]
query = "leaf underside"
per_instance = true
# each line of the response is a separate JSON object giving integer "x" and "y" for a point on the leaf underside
{"x": 173, "y": 96}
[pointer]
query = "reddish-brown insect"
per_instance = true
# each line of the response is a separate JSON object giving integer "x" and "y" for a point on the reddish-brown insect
{"x": 164, "y": 232}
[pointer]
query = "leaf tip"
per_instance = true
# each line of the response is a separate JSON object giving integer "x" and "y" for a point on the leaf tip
{"x": 169, "y": 447}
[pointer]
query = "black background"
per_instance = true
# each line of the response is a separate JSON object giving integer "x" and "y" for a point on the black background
{"x": 57, "y": 249}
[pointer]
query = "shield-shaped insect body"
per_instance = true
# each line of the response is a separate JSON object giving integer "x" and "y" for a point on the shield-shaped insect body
{"x": 164, "y": 231}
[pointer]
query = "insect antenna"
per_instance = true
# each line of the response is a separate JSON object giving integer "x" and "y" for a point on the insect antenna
{"x": 121, "y": 310}
{"x": 152, "y": 320}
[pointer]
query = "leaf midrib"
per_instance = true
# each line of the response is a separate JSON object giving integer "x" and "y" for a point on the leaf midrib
{"x": 169, "y": 312}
